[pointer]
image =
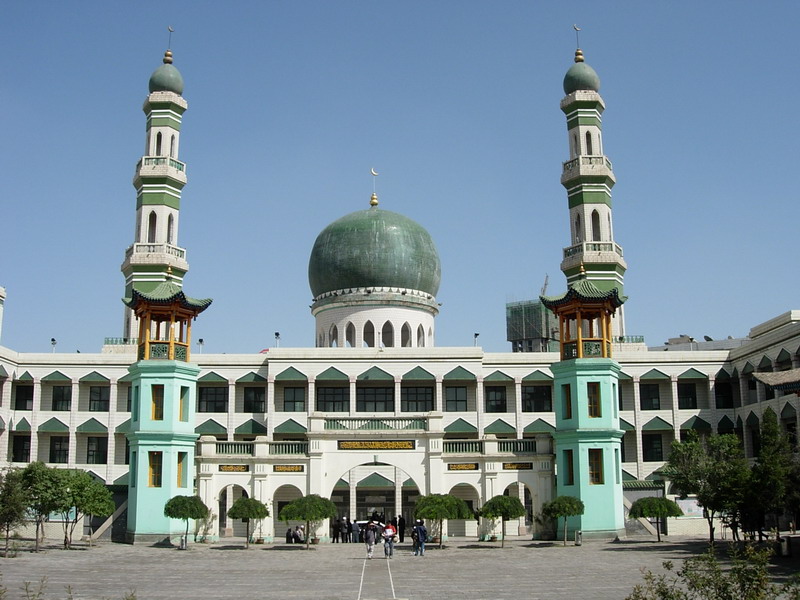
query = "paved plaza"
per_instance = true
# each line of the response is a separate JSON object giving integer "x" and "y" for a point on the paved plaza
{"x": 464, "y": 570}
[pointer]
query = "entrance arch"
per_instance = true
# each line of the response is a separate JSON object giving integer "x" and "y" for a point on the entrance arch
{"x": 464, "y": 527}
{"x": 227, "y": 496}
{"x": 282, "y": 496}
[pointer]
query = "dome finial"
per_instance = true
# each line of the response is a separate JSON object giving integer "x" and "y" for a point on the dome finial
{"x": 168, "y": 57}
{"x": 373, "y": 201}
{"x": 578, "y": 55}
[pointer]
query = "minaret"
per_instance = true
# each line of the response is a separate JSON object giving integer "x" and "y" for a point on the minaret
{"x": 588, "y": 178}
{"x": 586, "y": 385}
{"x": 159, "y": 179}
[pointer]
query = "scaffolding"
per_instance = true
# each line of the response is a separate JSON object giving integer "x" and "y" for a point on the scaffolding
{"x": 531, "y": 327}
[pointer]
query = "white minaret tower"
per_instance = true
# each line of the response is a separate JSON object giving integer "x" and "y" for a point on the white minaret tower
{"x": 160, "y": 176}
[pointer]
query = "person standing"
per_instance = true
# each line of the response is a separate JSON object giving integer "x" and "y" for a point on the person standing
{"x": 370, "y": 533}
{"x": 421, "y": 535}
{"x": 337, "y": 526}
{"x": 388, "y": 540}
{"x": 345, "y": 530}
{"x": 401, "y": 528}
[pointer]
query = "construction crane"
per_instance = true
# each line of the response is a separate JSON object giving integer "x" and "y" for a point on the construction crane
{"x": 544, "y": 287}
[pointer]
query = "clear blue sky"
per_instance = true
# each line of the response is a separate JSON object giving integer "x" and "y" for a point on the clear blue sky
{"x": 455, "y": 103}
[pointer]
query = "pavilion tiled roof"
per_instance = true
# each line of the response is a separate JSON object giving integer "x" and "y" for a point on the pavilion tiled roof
{"x": 584, "y": 290}
{"x": 167, "y": 293}
{"x": 787, "y": 381}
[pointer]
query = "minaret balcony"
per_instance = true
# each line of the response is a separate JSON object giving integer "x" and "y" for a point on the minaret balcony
{"x": 147, "y": 249}
{"x": 160, "y": 166}
{"x": 594, "y": 167}
{"x": 592, "y": 252}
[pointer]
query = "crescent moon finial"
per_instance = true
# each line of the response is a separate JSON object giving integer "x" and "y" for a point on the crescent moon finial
{"x": 373, "y": 171}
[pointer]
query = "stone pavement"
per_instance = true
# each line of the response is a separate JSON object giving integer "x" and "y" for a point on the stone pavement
{"x": 464, "y": 570}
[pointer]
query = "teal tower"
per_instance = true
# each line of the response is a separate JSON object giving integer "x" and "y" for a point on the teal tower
{"x": 586, "y": 387}
{"x": 161, "y": 436}
{"x": 159, "y": 180}
{"x": 588, "y": 178}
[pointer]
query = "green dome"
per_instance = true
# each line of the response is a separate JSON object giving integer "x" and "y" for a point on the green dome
{"x": 166, "y": 78}
{"x": 374, "y": 248}
{"x": 581, "y": 77}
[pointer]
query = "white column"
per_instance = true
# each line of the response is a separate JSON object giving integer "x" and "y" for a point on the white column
{"x": 518, "y": 406}
{"x": 231, "y": 422}
{"x": 676, "y": 431}
{"x": 271, "y": 408}
{"x": 637, "y": 423}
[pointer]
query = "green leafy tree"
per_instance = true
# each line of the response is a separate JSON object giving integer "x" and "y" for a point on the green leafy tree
{"x": 83, "y": 496}
{"x": 13, "y": 503}
{"x": 46, "y": 493}
{"x": 438, "y": 507}
{"x": 248, "y": 508}
{"x": 714, "y": 470}
{"x": 312, "y": 508}
{"x": 770, "y": 475}
{"x": 185, "y": 508}
{"x": 563, "y": 507}
{"x": 505, "y": 508}
{"x": 655, "y": 507}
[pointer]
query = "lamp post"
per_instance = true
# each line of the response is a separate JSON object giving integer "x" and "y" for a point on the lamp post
{"x": 53, "y": 343}
{"x": 277, "y": 339}
{"x": 475, "y": 339}
{"x": 200, "y": 343}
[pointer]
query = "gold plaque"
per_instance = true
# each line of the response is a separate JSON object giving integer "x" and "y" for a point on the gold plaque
{"x": 377, "y": 445}
{"x": 288, "y": 468}
{"x": 234, "y": 468}
{"x": 462, "y": 467}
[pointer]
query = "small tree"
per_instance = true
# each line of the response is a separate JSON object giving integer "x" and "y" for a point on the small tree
{"x": 83, "y": 496}
{"x": 309, "y": 509}
{"x": 46, "y": 493}
{"x": 438, "y": 507}
{"x": 771, "y": 470}
{"x": 563, "y": 506}
{"x": 505, "y": 508}
{"x": 13, "y": 503}
{"x": 248, "y": 508}
{"x": 657, "y": 508}
{"x": 185, "y": 508}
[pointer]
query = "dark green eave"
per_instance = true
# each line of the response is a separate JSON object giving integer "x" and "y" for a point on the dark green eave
{"x": 125, "y": 378}
{"x": 94, "y": 377}
{"x": 251, "y": 427}
{"x": 210, "y": 427}
{"x": 418, "y": 374}
{"x": 332, "y": 374}
{"x": 212, "y": 377}
{"x": 788, "y": 412}
{"x": 22, "y": 425}
{"x": 498, "y": 376}
{"x": 499, "y": 426}
{"x": 290, "y": 426}
{"x": 459, "y": 374}
{"x": 375, "y": 480}
{"x": 460, "y": 426}
{"x": 627, "y": 476}
{"x": 53, "y": 425}
{"x": 584, "y": 290}
{"x": 2, "y": 424}
{"x": 123, "y": 427}
{"x": 251, "y": 377}
{"x": 26, "y": 377}
{"x": 697, "y": 424}
{"x": 725, "y": 425}
{"x": 654, "y": 374}
{"x": 122, "y": 479}
{"x": 168, "y": 292}
{"x": 341, "y": 485}
{"x": 692, "y": 374}
{"x": 375, "y": 374}
{"x": 752, "y": 420}
{"x": 290, "y": 374}
{"x": 625, "y": 426}
{"x": 657, "y": 424}
{"x": 3, "y": 373}
{"x": 539, "y": 426}
{"x": 92, "y": 426}
{"x": 56, "y": 377}
{"x": 537, "y": 375}
{"x": 624, "y": 376}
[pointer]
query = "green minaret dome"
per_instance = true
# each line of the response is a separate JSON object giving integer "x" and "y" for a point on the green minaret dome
{"x": 581, "y": 76}
{"x": 374, "y": 248}
{"x": 166, "y": 78}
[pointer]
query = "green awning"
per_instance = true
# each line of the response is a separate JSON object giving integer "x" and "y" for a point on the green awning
{"x": 56, "y": 377}
{"x": 125, "y": 378}
{"x": 332, "y": 374}
{"x": 653, "y": 374}
{"x": 22, "y": 425}
{"x": 460, "y": 426}
{"x": 94, "y": 377}
{"x": 418, "y": 374}
{"x": 210, "y": 427}
{"x": 539, "y": 426}
{"x": 725, "y": 425}
{"x": 783, "y": 356}
{"x": 697, "y": 424}
{"x": 537, "y": 375}
{"x": 92, "y": 426}
{"x": 409, "y": 483}
{"x": 251, "y": 377}
{"x": 53, "y": 425}
{"x": 722, "y": 374}
{"x": 692, "y": 374}
{"x": 460, "y": 374}
{"x": 3, "y": 373}
{"x": 251, "y": 427}
{"x": 212, "y": 377}
{"x": 290, "y": 426}
{"x": 290, "y": 374}
{"x": 788, "y": 412}
{"x": 2, "y": 424}
{"x": 657, "y": 424}
{"x": 624, "y": 376}
{"x": 625, "y": 426}
{"x": 627, "y": 476}
{"x": 375, "y": 480}
{"x": 122, "y": 479}
{"x": 123, "y": 427}
{"x": 765, "y": 363}
{"x": 752, "y": 420}
{"x": 375, "y": 374}
{"x": 499, "y": 426}
{"x": 341, "y": 485}
{"x": 747, "y": 369}
{"x": 498, "y": 376}
{"x": 27, "y": 377}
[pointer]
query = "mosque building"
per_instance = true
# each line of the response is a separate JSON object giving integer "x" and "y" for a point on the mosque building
{"x": 375, "y": 414}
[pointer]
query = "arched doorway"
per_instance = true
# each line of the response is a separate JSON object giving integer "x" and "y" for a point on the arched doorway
{"x": 230, "y": 527}
{"x": 465, "y": 527}
{"x": 282, "y": 496}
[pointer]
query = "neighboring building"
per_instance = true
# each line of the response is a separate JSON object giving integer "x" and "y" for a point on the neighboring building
{"x": 374, "y": 414}
{"x": 530, "y": 327}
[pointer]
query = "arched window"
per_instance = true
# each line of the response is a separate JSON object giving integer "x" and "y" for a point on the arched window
{"x": 610, "y": 231}
{"x": 172, "y": 146}
{"x": 158, "y": 144}
{"x": 578, "y": 236}
{"x": 334, "y": 337}
{"x": 369, "y": 335}
{"x": 420, "y": 337}
{"x": 430, "y": 336}
{"x": 596, "y": 226}
{"x": 387, "y": 335}
{"x": 405, "y": 336}
{"x": 589, "y": 143}
{"x": 575, "y": 149}
{"x": 152, "y": 221}
{"x": 170, "y": 224}
{"x": 350, "y": 336}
